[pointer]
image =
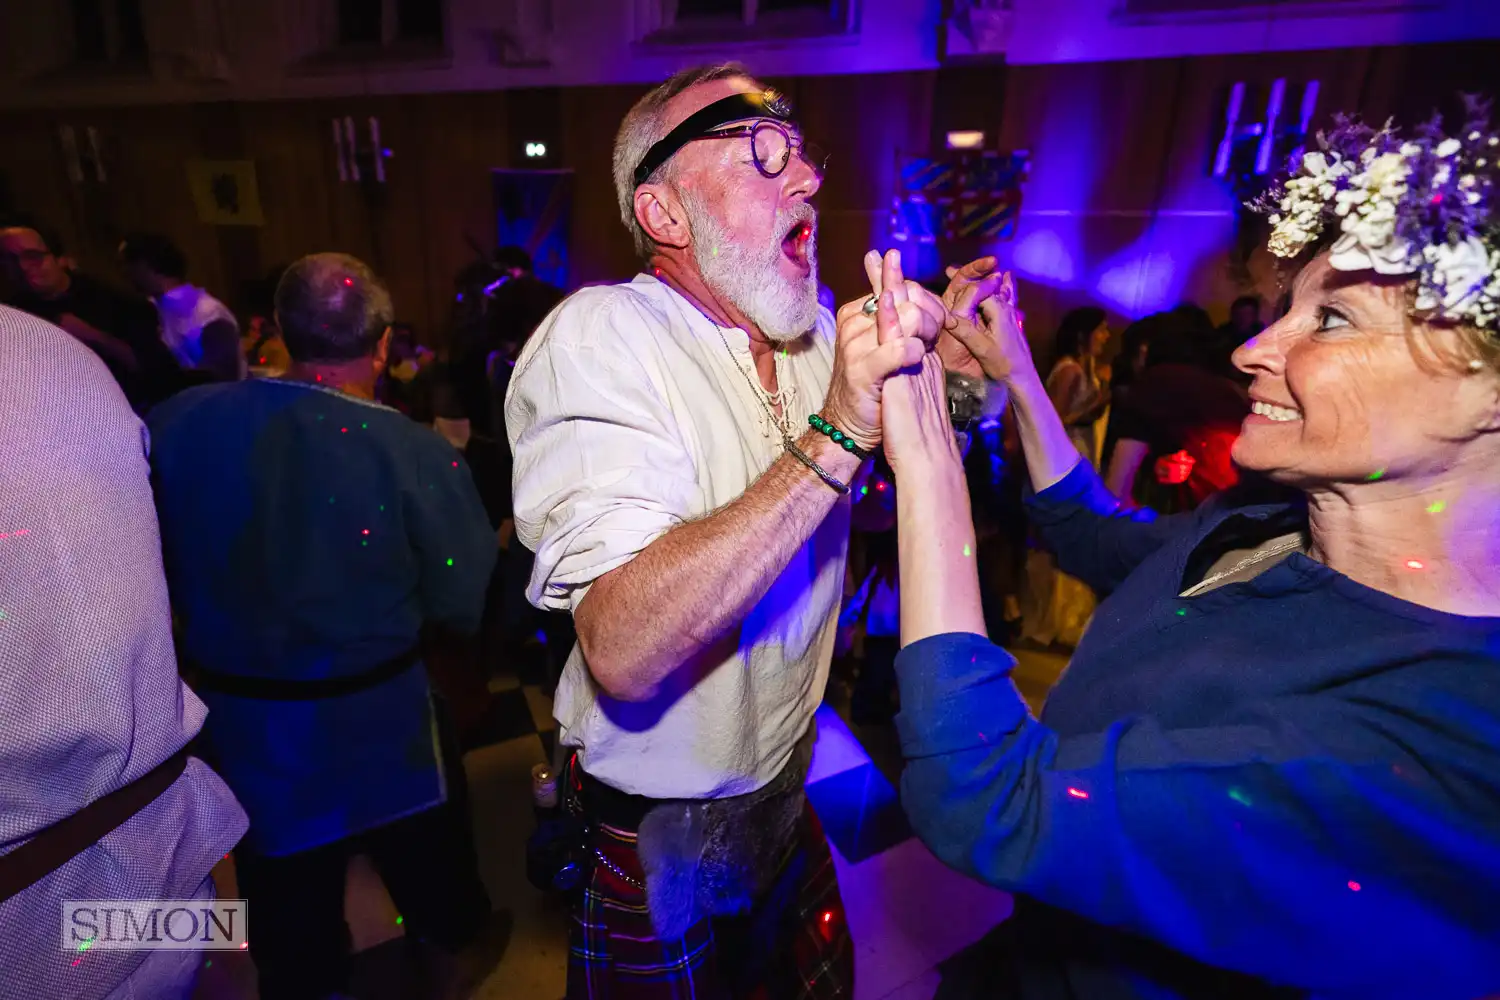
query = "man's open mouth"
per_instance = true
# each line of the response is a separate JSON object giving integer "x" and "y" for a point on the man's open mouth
{"x": 796, "y": 242}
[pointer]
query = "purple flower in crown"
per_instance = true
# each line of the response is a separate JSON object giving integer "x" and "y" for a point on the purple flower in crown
{"x": 1421, "y": 207}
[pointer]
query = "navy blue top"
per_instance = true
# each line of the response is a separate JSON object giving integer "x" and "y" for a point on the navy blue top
{"x": 1296, "y": 777}
{"x": 308, "y": 534}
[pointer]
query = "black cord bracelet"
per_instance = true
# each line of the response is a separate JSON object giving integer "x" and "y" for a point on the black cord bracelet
{"x": 839, "y": 437}
{"x": 841, "y": 488}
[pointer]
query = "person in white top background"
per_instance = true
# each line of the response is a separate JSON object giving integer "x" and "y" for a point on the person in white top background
{"x": 197, "y": 328}
{"x": 683, "y": 447}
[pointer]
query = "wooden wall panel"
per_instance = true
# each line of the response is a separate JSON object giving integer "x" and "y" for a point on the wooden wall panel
{"x": 1119, "y": 151}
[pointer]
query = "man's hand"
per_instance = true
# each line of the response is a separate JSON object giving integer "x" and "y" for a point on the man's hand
{"x": 110, "y": 346}
{"x": 85, "y": 332}
{"x": 968, "y": 287}
{"x": 862, "y": 362}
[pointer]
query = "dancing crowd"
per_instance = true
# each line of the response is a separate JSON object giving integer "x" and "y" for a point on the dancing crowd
{"x": 251, "y": 583}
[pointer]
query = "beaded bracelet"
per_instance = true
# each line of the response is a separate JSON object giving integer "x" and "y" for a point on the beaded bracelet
{"x": 839, "y": 437}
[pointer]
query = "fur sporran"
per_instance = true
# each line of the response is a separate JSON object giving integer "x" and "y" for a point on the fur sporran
{"x": 716, "y": 857}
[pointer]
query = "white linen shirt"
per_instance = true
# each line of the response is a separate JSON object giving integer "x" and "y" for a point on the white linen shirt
{"x": 627, "y": 417}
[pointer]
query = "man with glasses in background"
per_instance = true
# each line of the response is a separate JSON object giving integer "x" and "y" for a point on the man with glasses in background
{"x": 684, "y": 445}
{"x": 35, "y": 277}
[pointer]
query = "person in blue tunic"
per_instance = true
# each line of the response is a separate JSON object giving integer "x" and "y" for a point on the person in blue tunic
{"x": 1272, "y": 767}
{"x": 313, "y": 539}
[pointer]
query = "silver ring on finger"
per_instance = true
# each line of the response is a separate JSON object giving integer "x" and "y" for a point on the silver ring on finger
{"x": 871, "y": 306}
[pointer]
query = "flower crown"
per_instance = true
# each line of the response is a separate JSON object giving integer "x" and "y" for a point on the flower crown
{"x": 1422, "y": 207}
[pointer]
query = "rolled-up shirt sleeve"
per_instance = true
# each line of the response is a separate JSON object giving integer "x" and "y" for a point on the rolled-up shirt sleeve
{"x": 600, "y": 469}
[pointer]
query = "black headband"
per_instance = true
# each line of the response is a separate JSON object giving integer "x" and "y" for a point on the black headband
{"x": 737, "y": 108}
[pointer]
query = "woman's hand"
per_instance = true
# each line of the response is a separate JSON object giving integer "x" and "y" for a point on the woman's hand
{"x": 968, "y": 287}
{"x": 999, "y": 344}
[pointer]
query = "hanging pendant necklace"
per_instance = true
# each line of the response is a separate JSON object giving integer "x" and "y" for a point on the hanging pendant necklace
{"x": 783, "y": 395}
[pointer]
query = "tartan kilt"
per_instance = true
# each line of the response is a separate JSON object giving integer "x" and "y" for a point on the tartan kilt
{"x": 614, "y": 953}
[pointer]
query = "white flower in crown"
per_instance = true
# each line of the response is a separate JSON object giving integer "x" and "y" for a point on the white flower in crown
{"x": 1300, "y": 221}
{"x": 1463, "y": 277}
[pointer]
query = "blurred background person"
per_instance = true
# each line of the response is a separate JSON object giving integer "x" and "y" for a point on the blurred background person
{"x": 197, "y": 328}
{"x": 1074, "y": 384}
{"x": 261, "y": 343}
{"x": 320, "y": 548}
{"x": 1244, "y": 322}
{"x": 1176, "y": 426}
{"x": 1055, "y": 607}
{"x": 122, "y": 329}
{"x": 94, "y": 719}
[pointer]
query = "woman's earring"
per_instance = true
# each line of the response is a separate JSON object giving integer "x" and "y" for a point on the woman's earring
{"x": 1476, "y": 365}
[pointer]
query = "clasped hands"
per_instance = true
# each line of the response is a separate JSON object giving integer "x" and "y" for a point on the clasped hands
{"x": 888, "y": 382}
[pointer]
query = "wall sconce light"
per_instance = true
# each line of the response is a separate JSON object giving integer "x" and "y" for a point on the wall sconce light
{"x": 965, "y": 140}
{"x": 536, "y": 150}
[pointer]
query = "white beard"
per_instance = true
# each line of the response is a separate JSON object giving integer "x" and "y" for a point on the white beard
{"x": 749, "y": 278}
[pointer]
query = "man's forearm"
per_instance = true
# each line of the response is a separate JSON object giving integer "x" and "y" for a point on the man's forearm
{"x": 691, "y": 586}
{"x": 1050, "y": 453}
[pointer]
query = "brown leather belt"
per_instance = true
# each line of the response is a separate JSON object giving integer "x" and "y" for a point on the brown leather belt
{"x": 70, "y": 836}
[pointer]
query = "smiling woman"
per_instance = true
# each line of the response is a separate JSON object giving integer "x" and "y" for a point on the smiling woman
{"x": 1274, "y": 761}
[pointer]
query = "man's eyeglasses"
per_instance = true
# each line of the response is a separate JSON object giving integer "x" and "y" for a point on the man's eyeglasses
{"x": 772, "y": 146}
{"x": 773, "y": 136}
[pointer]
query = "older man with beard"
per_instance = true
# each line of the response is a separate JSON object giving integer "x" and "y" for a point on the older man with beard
{"x": 683, "y": 447}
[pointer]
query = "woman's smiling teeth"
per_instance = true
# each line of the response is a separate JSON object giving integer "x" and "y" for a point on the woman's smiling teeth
{"x": 1280, "y": 414}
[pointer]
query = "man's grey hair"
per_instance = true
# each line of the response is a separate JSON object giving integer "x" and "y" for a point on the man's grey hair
{"x": 331, "y": 307}
{"x": 643, "y": 128}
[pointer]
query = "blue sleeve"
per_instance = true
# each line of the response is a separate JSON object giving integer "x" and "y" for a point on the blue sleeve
{"x": 450, "y": 532}
{"x": 1284, "y": 842}
{"x": 1095, "y": 537}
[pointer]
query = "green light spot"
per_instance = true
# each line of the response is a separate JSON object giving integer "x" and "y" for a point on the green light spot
{"x": 208, "y": 963}
{"x": 967, "y": 551}
{"x": 864, "y": 491}
{"x": 399, "y": 920}
{"x": 1239, "y": 796}
{"x": 1182, "y": 612}
{"x": 1377, "y": 474}
{"x": 450, "y": 562}
{"x": 1437, "y": 508}
{"x": 382, "y": 506}
{"x": 714, "y": 252}
{"x": 85, "y": 945}
{"x": 320, "y": 416}
{"x": 364, "y": 542}
{"x": 2, "y": 616}
{"x": 330, "y": 499}
{"x": 364, "y": 427}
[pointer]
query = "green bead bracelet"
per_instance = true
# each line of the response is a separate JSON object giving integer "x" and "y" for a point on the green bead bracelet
{"x": 839, "y": 438}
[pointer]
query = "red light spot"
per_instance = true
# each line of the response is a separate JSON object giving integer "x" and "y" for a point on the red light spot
{"x": 244, "y": 945}
{"x": 365, "y": 532}
{"x": 348, "y": 282}
{"x": 880, "y": 486}
{"x": 1354, "y": 886}
{"x": 1415, "y": 564}
{"x": 317, "y": 378}
{"x": 1078, "y": 793}
{"x": 343, "y": 430}
{"x": 827, "y": 916}
{"x": 656, "y": 271}
{"x": 1437, "y": 199}
{"x": 455, "y": 465}
{"x": 262, "y": 360}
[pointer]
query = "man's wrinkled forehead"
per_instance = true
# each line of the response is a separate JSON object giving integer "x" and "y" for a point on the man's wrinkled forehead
{"x": 698, "y": 97}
